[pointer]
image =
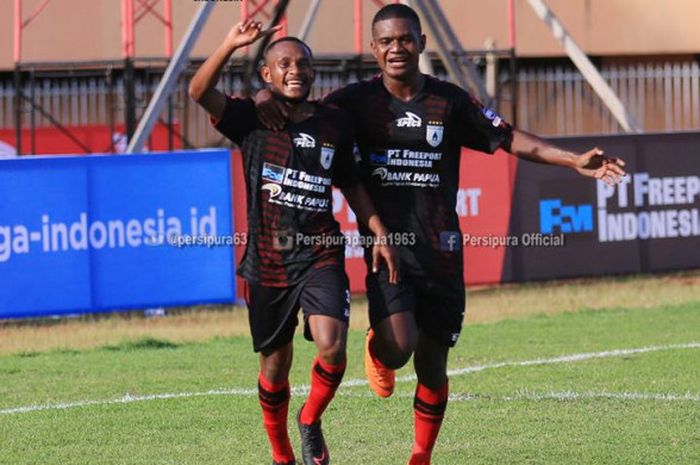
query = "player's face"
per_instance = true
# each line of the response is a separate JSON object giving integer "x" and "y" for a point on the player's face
{"x": 289, "y": 71}
{"x": 397, "y": 45}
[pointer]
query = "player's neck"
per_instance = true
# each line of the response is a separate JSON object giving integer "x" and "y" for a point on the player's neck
{"x": 299, "y": 111}
{"x": 404, "y": 89}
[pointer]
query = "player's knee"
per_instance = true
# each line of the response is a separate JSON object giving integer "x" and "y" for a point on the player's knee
{"x": 331, "y": 350}
{"x": 396, "y": 353}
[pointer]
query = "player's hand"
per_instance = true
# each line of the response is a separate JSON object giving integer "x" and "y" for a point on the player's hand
{"x": 386, "y": 252}
{"x": 272, "y": 113}
{"x": 246, "y": 32}
{"x": 595, "y": 165}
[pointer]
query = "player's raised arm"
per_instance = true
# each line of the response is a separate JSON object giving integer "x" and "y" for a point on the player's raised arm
{"x": 592, "y": 163}
{"x": 203, "y": 84}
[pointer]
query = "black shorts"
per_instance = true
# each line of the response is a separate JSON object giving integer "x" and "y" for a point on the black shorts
{"x": 436, "y": 302}
{"x": 272, "y": 311}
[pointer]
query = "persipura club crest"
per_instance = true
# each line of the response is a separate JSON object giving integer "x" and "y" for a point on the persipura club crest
{"x": 434, "y": 132}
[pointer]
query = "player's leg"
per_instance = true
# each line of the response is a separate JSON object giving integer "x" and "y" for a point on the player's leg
{"x": 430, "y": 399}
{"x": 272, "y": 319}
{"x": 330, "y": 336}
{"x": 274, "y": 394}
{"x": 439, "y": 316}
{"x": 325, "y": 300}
{"x": 393, "y": 332}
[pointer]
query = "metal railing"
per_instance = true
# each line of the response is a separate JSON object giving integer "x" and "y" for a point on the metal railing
{"x": 550, "y": 100}
{"x": 664, "y": 97}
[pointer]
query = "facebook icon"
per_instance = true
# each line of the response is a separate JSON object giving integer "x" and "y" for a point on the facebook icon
{"x": 450, "y": 241}
{"x": 568, "y": 218}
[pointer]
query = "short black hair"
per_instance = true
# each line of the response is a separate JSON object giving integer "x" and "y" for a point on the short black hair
{"x": 397, "y": 10}
{"x": 287, "y": 39}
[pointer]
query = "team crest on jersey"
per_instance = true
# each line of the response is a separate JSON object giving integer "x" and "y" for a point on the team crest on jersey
{"x": 411, "y": 120}
{"x": 327, "y": 153}
{"x": 434, "y": 132}
{"x": 305, "y": 141}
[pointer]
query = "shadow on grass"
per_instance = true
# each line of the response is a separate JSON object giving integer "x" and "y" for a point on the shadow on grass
{"x": 146, "y": 343}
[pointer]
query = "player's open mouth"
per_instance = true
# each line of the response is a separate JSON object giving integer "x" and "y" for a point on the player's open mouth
{"x": 295, "y": 84}
{"x": 398, "y": 61}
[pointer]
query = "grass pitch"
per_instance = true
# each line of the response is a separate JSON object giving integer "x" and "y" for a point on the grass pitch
{"x": 618, "y": 386}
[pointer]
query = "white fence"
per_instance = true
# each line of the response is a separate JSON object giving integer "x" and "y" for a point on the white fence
{"x": 550, "y": 100}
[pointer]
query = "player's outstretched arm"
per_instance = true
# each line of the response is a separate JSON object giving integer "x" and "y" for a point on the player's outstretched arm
{"x": 592, "y": 163}
{"x": 203, "y": 84}
{"x": 362, "y": 205}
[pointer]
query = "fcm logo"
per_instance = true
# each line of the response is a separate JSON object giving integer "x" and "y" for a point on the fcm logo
{"x": 568, "y": 218}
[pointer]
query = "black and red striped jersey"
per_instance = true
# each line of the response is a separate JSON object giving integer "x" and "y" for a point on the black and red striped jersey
{"x": 289, "y": 177}
{"x": 410, "y": 156}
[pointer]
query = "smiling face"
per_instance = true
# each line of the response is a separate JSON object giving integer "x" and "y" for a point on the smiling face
{"x": 289, "y": 70}
{"x": 397, "y": 44}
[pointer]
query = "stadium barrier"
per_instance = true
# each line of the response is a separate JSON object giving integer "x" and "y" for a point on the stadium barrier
{"x": 648, "y": 223}
{"x": 91, "y": 234}
{"x": 520, "y": 222}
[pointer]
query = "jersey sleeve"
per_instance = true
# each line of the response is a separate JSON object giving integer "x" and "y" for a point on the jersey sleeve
{"x": 479, "y": 127}
{"x": 239, "y": 119}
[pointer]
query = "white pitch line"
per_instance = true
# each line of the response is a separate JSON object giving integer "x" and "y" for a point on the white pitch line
{"x": 553, "y": 395}
{"x": 546, "y": 361}
{"x": 301, "y": 390}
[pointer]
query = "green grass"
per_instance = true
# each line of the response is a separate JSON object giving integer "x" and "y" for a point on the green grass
{"x": 505, "y": 415}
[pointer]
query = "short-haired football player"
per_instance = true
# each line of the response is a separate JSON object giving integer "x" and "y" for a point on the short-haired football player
{"x": 410, "y": 128}
{"x": 295, "y": 253}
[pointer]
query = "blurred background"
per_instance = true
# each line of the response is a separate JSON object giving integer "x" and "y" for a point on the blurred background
{"x": 81, "y": 64}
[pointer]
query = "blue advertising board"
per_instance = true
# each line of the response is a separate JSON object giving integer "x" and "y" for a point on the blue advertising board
{"x": 96, "y": 233}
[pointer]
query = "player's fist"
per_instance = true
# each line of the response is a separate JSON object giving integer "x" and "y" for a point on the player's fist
{"x": 246, "y": 32}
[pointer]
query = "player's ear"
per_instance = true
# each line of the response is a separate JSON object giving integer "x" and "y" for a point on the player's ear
{"x": 266, "y": 74}
{"x": 423, "y": 41}
{"x": 373, "y": 47}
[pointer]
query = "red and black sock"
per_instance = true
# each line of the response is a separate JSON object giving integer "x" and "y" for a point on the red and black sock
{"x": 274, "y": 400}
{"x": 325, "y": 380}
{"x": 428, "y": 411}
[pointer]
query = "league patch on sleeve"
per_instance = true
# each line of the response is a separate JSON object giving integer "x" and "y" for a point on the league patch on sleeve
{"x": 492, "y": 116}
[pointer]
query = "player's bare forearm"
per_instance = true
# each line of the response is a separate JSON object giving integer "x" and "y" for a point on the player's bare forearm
{"x": 592, "y": 164}
{"x": 531, "y": 148}
{"x": 362, "y": 205}
{"x": 203, "y": 84}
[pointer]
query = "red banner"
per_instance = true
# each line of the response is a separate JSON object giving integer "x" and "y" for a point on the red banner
{"x": 85, "y": 139}
{"x": 483, "y": 205}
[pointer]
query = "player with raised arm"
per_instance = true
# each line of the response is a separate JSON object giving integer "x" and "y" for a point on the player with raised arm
{"x": 289, "y": 176}
{"x": 410, "y": 128}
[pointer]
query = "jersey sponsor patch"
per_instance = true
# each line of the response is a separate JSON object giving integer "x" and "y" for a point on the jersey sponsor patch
{"x": 272, "y": 188}
{"x": 378, "y": 158}
{"x": 411, "y": 120}
{"x": 272, "y": 172}
{"x": 304, "y": 141}
{"x": 327, "y": 153}
{"x": 433, "y": 133}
